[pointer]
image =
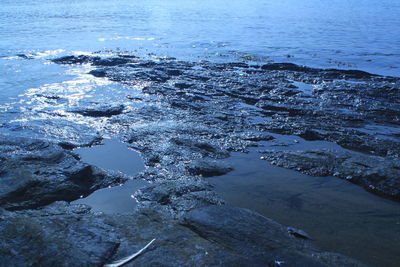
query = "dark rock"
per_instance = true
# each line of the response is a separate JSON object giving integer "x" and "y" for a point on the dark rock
{"x": 65, "y": 133}
{"x": 98, "y": 73}
{"x": 266, "y": 242}
{"x": 70, "y": 235}
{"x": 311, "y": 135}
{"x": 180, "y": 131}
{"x": 173, "y": 72}
{"x": 183, "y": 85}
{"x": 100, "y": 110}
{"x": 82, "y": 59}
{"x": 24, "y": 56}
{"x": 109, "y": 62}
{"x": 327, "y": 73}
{"x": 208, "y": 168}
{"x": 376, "y": 174}
{"x": 285, "y": 66}
{"x": 35, "y": 173}
{"x": 177, "y": 197}
{"x": 349, "y": 74}
{"x": 298, "y": 233}
{"x": 55, "y": 236}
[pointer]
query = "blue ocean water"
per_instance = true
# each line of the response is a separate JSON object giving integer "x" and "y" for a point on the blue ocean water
{"x": 357, "y": 33}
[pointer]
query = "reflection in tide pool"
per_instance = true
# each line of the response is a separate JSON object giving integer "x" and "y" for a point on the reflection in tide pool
{"x": 112, "y": 155}
{"x": 115, "y": 156}
{"x": 117, "y": 199}
{"x": 339, "y": 216}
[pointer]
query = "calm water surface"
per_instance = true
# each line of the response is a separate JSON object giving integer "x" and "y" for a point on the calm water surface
{"x": 362, "y": 34}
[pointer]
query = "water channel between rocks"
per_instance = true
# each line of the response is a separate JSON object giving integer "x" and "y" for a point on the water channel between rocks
{"x": 114, "y": 156}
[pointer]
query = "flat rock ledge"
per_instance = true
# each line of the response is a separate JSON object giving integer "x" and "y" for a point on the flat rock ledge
{"x": 376, "y": 174}
{"x": 71, "y": 235}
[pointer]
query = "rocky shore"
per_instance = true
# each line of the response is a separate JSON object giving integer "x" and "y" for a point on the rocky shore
{"x": 185, "y": 119}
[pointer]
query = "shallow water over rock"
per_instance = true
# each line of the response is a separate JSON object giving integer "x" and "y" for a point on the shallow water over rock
{"x": 112, "y": 155}
{"x": 338, "y": 215}
{"x": 114, "y": 200}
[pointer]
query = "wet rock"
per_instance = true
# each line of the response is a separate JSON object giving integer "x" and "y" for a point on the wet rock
{"x": 100, "y": 110}
{"x": 298, "y": 233}
{"x": 315, "y": 104}
{"x": 177, "y": 197}
{"x": 183, "y": 85}
{"x": 311, "y": 135}
{"x": 174, "y": 72}
{"x": 256, "y": 137}
{"x": 25, "y": 56}
{"x": 35, "y": 173}
{"x": 98, "y": 73}
{"x": 169, "y": 143}
{"x": 109, "y": 62}
{"x": 376, "y": 174}
{"x": 188, "y": 117}
{"x": 326, "y": 73}
{"x": 285, "y": 66}
{"x": 81, "y": 59}
{"x": 208, "y": 168}
{"x": 209, "y": 236}
{"x": 65, "y": 133}
{"x": 55, "y": 236}
{"x": 266, "y": 242}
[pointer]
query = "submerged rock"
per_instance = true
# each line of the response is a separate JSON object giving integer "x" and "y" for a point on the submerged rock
{"x": 254, "y": 239}
{"x": 376, "y": 174}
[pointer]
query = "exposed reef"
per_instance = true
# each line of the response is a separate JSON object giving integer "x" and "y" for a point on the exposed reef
{"x": 185, "y": 118}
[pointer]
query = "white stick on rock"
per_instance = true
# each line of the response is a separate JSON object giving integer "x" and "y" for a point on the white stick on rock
{"x": 129, "y": 258}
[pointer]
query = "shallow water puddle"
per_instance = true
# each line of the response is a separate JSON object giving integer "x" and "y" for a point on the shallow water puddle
{"x": 340, "y": 217}
{"x": 304, "y": 87}
{"x": 113, "y": 155}
{"x": 117, "y": 199}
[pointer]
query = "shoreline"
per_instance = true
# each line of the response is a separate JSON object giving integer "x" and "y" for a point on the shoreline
{"x": 183, "y": 118}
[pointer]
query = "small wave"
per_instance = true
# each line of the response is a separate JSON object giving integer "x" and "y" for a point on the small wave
{"x": 126, "y": 38}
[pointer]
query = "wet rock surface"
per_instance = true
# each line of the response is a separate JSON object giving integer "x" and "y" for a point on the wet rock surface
{"x": 35, "y": 173}
{"x": 185, "y": 118}
{"x": 219, "y": 104}
{"x": 376, "y": 174}
{"x": 99, "y": 110}
{"x": 212, "y": 236}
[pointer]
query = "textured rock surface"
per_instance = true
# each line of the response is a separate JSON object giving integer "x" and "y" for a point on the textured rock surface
{"x": 64, "y": 235}
{"x": 100, "y": 110}
{"x": 34, "y": 173}
{"x": 185, "y": 118}
{"x": 373, "y": 173}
